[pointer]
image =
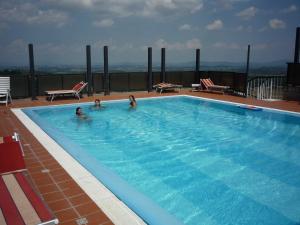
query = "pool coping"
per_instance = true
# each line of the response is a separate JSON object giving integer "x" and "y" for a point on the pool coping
{"x": 115, "y": 208}
{"x": 112, "y": 206}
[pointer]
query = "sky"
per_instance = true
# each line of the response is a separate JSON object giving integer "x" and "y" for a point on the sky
{"x": 222, "y": 29}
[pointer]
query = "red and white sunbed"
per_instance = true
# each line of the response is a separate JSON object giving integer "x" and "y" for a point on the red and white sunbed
{"x": 75, "y": 91}
{"x": 20, "y": 204}
{"x": 166, "y": 86}
{"x": 210, "y": 86}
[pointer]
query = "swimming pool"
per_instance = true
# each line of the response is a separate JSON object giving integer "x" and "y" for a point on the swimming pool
{"x": 203, "y": 162}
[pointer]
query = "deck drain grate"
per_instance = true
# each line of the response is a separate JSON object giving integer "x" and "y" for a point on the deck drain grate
{"x": 82, "y": 221}
{"x": 45, "y": 171}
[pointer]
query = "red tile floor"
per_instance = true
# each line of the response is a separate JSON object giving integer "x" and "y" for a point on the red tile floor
{"x": 65, "y": 198}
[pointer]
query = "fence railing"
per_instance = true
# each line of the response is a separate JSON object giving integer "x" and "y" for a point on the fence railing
{"x": 266, "y": 87}
{"x": 121, "y": 81}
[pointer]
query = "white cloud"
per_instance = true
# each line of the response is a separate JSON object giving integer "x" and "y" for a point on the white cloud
{"x": 30, "y": 14}
{"x": 193, "y": 44}
{"x": 240, "y": 28}
{"x": 101, "y": 43}
{"x": 290, "y": 9}
{"x": 236, "y": 46}
{"x": 224, "y": 45}
{"x": 262, "y": 29}
{"x": 215, "y": 25}
{"x": 103, "y": 23}
{"x": 87, "y": 4}
{"x": 48, "y": 17}
{"x": 247, "y": 13}
{"x": 244, "y": 28}
{"x": 189, "y": 44}
{"x": 17, "y": 46}
{"x": 227, "y": 4}
{"x": 124, "y": 8}
{"x": 185, "y": 27}
{"x": 197, "y": 8}
{"x": 277, "y": 24}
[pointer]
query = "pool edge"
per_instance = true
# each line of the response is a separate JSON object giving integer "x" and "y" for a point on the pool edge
{"x": 117, "y": 211}
{"x": 118, "y": 201}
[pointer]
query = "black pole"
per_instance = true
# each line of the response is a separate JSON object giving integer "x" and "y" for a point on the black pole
{"x": 163, "y": 65}
{"x": 88, "y": 77}
{"x": 197, "y": 69}
{"x": 32, "y": 72}
{"x": 106, "y": 73}
{"x": 248, "y": 60}
{"x": 247, "y": 70}
{"x": 297, "y": 46}
{"x": 150, "y": 78}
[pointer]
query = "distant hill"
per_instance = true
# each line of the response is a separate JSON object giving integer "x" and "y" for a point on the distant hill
{"x": 256, "y": 68}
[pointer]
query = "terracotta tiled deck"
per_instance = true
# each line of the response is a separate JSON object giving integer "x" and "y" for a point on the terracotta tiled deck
{"x": 66, "y": 199}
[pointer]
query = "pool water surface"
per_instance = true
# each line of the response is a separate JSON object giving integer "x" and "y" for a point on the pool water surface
{"x": 203, "y": 162}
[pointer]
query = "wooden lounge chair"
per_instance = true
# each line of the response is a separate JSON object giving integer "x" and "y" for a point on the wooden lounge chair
{"x": 5, "y": 90}
{"x": 75, "y": 91}
{"x": 166, "y": 86}
{"x": 20, "y": 204}
{"x": 210, "y": 86}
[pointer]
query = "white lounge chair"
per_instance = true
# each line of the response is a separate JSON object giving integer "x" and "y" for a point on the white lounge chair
{"x": 5, "y": 90}
{"x": 74, "y": 91}
{"x": 166, "y": 86}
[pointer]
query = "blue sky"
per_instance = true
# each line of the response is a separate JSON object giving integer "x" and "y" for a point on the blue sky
{"x": 60, "y": 29}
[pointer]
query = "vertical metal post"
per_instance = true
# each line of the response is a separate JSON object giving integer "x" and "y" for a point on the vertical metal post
{"x": 106, "y": 73}
{"x": 150, "y": 76}
{"x": 197, "y": 69}
{"x": 163, "y": 65}
{"x": 271, "y": 87}
{"x": 32, "y": 72}
{"x": 297, "y": 46}
{"x": 247, "y": 70}
{"x": 88, "y": 76}
{"x": 257, "y": 94}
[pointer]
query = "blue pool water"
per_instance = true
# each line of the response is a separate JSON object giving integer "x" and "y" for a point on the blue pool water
{"x": 201, "y": 161}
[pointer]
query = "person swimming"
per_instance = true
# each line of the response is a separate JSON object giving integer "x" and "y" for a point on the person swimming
{"x": 97, "y": 103}
{"x": 132, "y": 100}
{"x": 80, "y": 114}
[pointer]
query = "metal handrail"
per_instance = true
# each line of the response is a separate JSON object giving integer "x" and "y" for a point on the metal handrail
{"x": 266, "y": 87}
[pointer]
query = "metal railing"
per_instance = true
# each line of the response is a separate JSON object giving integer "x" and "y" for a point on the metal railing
{"x": 266, "y": 87}
{"x": 121, "y": 81}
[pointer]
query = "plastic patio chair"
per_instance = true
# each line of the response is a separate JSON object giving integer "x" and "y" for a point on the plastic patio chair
{"x": 5, "y": 90}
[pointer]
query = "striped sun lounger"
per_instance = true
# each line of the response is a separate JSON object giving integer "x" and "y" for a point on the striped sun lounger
{"x": 210, "y": 86}
{"x": 166, "y": 86}
{"x": 20, "y": 204}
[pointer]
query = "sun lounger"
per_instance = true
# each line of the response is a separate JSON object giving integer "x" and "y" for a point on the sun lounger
{"x": 75, "y": 91}
{"x": 210, "y": 86}
{"x": 11, "y": 153}
{"x": 166, "y": 86}
{"x": 12, "y": 156}
{"x": 20, "y": 204}
{"x": 196, "y": 87}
